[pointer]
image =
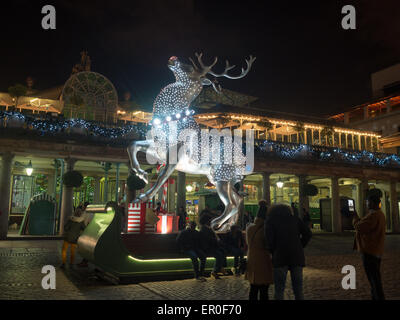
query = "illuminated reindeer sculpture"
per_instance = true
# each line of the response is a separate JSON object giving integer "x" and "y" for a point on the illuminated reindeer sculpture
{"x": 172, "y": 115}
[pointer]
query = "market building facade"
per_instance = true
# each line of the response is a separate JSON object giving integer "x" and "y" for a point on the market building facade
{"x": 50, "y": 133}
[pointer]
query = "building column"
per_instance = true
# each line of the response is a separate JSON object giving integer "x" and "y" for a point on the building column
{"x": 266, "y": 192}
{"x": 171, "y": 195}
{"x": 96, "y": 190}
{"x": 181, "y": 191}
{"x": 67, "y": 202}
{"x": 362, "y": 189}
{"x": 335, "y": 198}
{"x": 117, "y": 182}
{"x": 5, "y": 192}
{"x": 51, "y": 184}
{"x": 303, "y": 198}
{"x": 394, "y": 207}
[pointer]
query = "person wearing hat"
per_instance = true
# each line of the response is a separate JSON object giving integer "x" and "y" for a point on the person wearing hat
{"x": 370, "y": 242}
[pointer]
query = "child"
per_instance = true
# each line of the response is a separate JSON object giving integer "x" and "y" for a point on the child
{"x": 72, "y": 231}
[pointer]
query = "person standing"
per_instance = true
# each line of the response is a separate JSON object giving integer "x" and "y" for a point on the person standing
{"x": 370, "y": 242}
{"x": 259, "y": 264}
{"x": 210, "y": 244}
{"x": 234, "y": 244}
{"x": 72, "y": 231}
{"x": 182, "y": 214}
{"x": 286, "y": 237}
{"x": 188, "y": 242}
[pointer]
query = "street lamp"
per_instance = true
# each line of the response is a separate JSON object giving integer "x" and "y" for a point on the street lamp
{"x": 29, "y": 168}
{"x": 279, "y": 184}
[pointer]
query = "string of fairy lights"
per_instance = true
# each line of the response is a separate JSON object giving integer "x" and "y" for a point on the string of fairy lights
{"x": 59, "y": 125}
{"x": 276, "y": 148}
{"x": 304, "y": 151}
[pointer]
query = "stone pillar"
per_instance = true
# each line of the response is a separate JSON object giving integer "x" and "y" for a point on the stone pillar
{"x": 303, "y": 198}
{"x": 266, "y": 192}
{"x": 117, "y": 182}
{"x": 171, "y": 195}
{"x": 67, "y": 202}
{"x": 181, "y": 190}
{"x": 362, "y": 189}
{"x": 51, "y": 184}
{"x": 96, "y": 192}
{"x": 394, "y": 207}
{"x": 336, "y": 215}
{"x": 5, "y": 192}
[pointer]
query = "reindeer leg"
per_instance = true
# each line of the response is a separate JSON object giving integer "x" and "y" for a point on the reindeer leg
{"x": 224, "y": 189}
{"x": 133, "y": 149}
{"x": 237, "y": 200}
{"x": 162, "y": 177}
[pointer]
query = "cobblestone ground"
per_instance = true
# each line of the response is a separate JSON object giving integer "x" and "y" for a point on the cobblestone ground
{"x": 21, "y": 263}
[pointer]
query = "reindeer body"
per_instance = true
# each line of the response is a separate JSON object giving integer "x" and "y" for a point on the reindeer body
{"x": 173, "y": 104}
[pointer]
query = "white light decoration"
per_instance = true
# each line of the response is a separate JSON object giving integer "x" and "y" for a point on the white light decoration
{"x": 168, "y": 118}
{"x": 156, "y": 121}
{"x": 189, "y": 188}
{"x": 279, "y": 184}
{"x": 164, "y": 224}
{"x": 178, "y": 116}
{"x": 29, "y": 168}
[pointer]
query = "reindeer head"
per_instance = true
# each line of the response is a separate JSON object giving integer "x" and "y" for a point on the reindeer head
{"x": 181, "y": 70}
{"x": 201, "y": 72}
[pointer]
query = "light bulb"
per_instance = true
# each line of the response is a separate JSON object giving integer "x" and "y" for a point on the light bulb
{"x": 156, "y": 121}
{"x": 29, "y": 168}
{"x": 178, "y": 115}
{"x": 168, "y": 118}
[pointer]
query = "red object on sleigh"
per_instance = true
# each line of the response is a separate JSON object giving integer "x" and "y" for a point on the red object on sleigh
{"x": 137, "y": 218}
{"x": 168, "y": 223}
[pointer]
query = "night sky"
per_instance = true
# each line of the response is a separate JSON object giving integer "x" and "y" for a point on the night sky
{"x": 306, "y": 63}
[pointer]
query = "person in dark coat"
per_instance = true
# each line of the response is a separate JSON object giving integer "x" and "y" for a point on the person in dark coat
{"x": 189, "y": 243}
{"x": 210, "y": 244}
{"x": 286, "y": 236}
{"x": 182, "y": 214}
{"x": 234, "y": 244}
{"x": 72, "y": 231}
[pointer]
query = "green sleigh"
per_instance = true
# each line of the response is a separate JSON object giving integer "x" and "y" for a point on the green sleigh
{"x": 132, "y": 257}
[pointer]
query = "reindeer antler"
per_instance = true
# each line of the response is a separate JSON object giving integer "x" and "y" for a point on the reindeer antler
{"x": 207, "y": 69}
{"x": 249, "y": 62}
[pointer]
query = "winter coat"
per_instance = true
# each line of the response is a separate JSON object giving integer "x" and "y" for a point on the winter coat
{"x": 73, "y": 228}
{"x": 286, "y": 237}
{"x": 209, "y": 241}
{"x": 188, "y": 239}
{"x": 259, "y": 264}
{"x": 370, "y": 233}
{"x": 234, "y": 239}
